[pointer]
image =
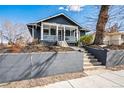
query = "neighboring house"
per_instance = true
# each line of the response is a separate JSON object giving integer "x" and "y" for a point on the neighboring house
{"x": 113, "y": 38}
{"x": 56, "y": 28}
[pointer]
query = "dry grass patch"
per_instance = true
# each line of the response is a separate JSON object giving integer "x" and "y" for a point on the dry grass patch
{"x": 43, "y": 81}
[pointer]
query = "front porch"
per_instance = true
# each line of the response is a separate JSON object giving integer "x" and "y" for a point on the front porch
{"x": 53, "y": 32}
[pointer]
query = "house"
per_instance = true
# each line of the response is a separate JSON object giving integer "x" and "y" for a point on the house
{"x": 113, "y": 38}
{"x": 56, "y": 28}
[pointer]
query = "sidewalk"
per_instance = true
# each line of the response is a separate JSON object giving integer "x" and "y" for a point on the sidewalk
{"x": 105, "y": 80}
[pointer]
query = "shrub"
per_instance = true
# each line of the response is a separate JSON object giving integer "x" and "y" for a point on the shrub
{"x": 86, "y": 40}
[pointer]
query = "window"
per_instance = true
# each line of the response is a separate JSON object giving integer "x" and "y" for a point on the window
{"x": 53, "y": 31}
{"x": 46, "y": 31}
{"x": 72, "y": 32}
{"x": 67, "y": 32}
{"x": 45, "y": 26}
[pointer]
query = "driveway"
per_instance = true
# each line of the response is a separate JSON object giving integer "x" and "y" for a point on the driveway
{"x": 104, "y": 80}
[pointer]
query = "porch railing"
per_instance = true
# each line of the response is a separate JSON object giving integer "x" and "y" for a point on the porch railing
{"x": 70, "y": 39}
{"x": 50, "y": 37}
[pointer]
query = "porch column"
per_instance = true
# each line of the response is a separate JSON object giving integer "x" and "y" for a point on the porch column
{"x": 41, "y": 31}
{"x": 77, "y": 33}
{"x": 32, "y": 31}
{"x": 49, "y": 29}
{"x": 74, "y": 34}
{"x": 64, "y": 33}
{"x": 57, "y": 32}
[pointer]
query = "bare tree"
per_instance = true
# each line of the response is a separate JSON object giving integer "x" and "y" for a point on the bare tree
{"x": 116, "y": 17}
{"x": 13, "y": 32}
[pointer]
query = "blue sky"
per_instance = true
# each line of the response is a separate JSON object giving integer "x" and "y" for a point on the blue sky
{"x": 30, "y": 13}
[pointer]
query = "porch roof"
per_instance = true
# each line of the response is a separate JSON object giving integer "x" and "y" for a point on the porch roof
{"x": 113, "y": 33}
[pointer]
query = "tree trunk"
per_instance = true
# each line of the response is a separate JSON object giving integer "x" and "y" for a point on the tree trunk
{"x": 100, "y": 27}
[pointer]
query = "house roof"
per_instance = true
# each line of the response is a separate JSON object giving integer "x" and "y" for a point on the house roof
{"x": 60, "y": 15}
{"x": 113, "y": 33}
{"x": 82, "y": 28}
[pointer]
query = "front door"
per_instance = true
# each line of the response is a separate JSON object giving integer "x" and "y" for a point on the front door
{"x": 60, "y": 35}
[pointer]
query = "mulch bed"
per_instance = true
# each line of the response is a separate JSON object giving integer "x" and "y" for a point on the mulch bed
{"x": 33, "y": 48}
{"x": 115, "y": 47}
{"x": 43, "y": 81}
{"x": 116, "y": 68}
{"x": 112, "y": 47}
{"x": 40, "y": 48}
{"x": 95, "y": 46}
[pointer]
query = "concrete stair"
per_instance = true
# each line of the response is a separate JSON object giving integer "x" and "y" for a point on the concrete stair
{"x": 94, "y": 67}
{"x": 90, "y": 62}
{"x": 85, "y": 56}
{"x": 62, "y": 43}
{"x": 90, "y": 59}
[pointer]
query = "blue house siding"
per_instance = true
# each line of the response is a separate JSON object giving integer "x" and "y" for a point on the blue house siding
{"x": 37, "y": 33}
{"x": 61, "y": 20}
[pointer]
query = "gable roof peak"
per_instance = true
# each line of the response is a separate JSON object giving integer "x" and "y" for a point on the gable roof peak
{"x": 68, "y": 17}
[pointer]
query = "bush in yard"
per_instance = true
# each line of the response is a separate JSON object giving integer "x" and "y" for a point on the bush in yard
{"x": 86, "y": 40}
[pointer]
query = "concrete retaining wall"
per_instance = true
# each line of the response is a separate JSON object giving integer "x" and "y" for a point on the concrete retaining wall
{"x": 26, "y": 66}
{"x": 114, "y": 58}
